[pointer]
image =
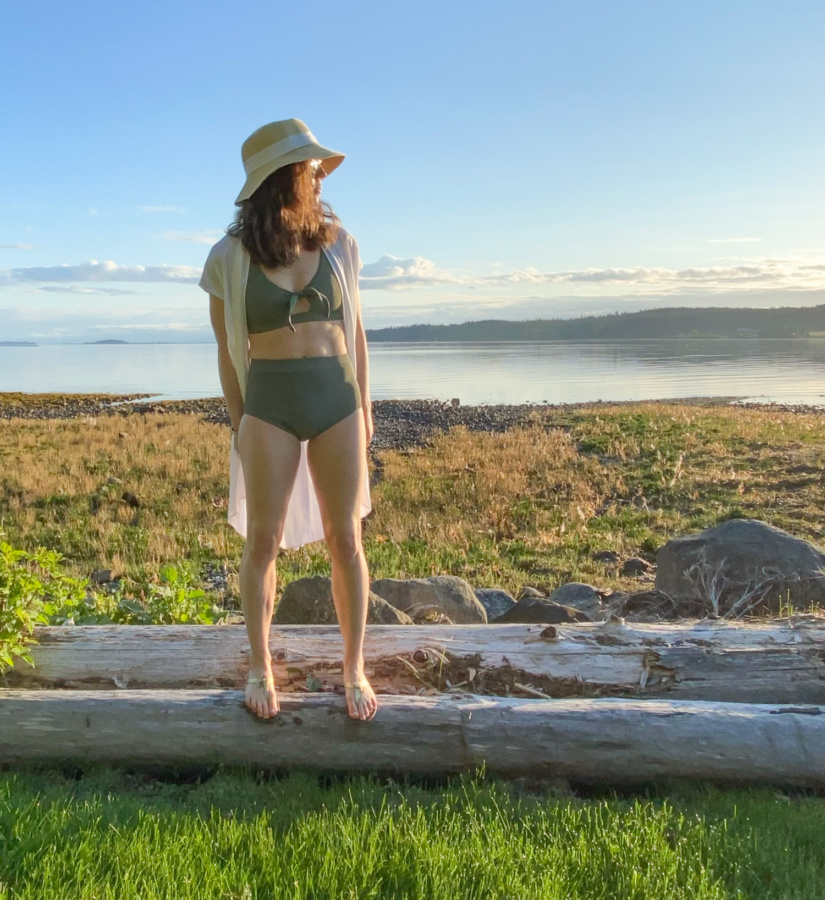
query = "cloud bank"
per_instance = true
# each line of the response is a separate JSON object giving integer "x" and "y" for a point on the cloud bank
{"x": 393, "y": 274}
{"x": 94, "y": 271}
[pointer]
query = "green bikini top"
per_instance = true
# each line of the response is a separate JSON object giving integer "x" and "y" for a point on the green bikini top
{"x": 269, "y": 306}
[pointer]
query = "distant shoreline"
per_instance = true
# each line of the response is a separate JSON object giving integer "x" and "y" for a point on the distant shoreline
{"x": 378, "y": 340}
{"x": 682, "y": 323}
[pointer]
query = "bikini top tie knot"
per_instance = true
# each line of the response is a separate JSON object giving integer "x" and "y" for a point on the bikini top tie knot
{"x": 270, "y": 306}
{"x": 307, "y": 292}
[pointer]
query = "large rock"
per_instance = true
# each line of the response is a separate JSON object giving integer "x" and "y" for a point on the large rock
{"x": 495, "y": 601}
{"x": 308, "y": 601}
{"x": 448, "y": 593}
{"x": 532, "y": 610}
{"x": 579, "y": 596}
{"x": 741, "y": 564}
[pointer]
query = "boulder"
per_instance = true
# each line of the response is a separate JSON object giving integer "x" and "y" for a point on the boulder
{"x": 495, "y": 601}
{"x": 308, "y": 601}
{"x": 450, "y": 594}
{"x": 742, "y": 565}
{"x": 579, "y": 596}
{"x": 532, "y": 610}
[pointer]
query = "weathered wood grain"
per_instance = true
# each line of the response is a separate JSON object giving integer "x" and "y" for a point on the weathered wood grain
{"x": 603, "y": 741}
{"x": 780, "y": 662}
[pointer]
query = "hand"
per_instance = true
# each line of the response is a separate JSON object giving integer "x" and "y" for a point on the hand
{"x": 369, "y": 428}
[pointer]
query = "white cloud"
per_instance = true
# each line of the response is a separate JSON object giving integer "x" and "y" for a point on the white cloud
{"x": 16, "y": 246}
{"x": 392, "y": 273}
{"x": 195, "y": 237}
{"x": 95, "y": 271}
{"x": 74, "y": 289}
{"x": 161, "y": 209}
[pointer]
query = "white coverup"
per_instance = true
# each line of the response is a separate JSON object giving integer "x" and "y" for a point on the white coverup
{"x": 225, "y": 275}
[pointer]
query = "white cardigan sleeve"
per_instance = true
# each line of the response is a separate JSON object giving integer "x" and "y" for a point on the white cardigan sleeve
{"x": 212, "y": 276}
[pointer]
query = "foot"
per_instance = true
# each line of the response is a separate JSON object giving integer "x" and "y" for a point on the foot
{"x": 361, "y": 701}
{"x": 259, "y": 695}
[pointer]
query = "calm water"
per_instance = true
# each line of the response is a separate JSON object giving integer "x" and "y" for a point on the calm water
{"x": 785, "y": 371}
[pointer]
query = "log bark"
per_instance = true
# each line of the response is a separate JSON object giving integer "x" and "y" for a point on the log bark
{"x": 604, "y": 741}
{"x": 779, "y": 662}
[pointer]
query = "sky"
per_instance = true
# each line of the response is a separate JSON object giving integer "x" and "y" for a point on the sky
{"x": 514, "y": 160}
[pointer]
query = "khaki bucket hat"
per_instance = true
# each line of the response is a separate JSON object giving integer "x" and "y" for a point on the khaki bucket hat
{"x": 279, "y": 144}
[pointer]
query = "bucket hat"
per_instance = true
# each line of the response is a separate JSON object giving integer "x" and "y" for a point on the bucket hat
{"x": 279, "y": 144}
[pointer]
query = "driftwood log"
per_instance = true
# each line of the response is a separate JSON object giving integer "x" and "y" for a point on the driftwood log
{"x": 608, "y": 740}
{"x": 778, "y": 662}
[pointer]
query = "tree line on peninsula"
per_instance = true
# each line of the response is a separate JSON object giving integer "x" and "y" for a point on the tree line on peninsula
{"x": 679, "y": 322}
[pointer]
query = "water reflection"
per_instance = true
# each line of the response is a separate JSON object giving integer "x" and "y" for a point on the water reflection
{"x": 786, "y": 371}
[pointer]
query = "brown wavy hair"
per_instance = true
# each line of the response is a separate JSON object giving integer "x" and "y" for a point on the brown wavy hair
{"x": 284, "y": 216}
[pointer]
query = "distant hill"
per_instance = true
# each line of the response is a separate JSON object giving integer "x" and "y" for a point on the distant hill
{"x": 17, "y": 344}
{"x": 109, "y": 341}
{"x": 681, "y": 322}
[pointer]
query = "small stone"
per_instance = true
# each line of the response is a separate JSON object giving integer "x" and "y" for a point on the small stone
{"x": 579, "y": 596}
{"x": 635, "y": 567}
{"x": 101, "y": 576}
{"x": 495, "y": 600}
{"x": 528, "y": 591}
{"x": 535, "y": 610}
{"x": 607, "y": 556}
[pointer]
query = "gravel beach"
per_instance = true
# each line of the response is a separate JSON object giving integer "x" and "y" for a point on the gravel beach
{"x": 398, "y": 423}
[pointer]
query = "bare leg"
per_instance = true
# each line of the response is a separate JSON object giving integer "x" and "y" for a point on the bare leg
{"x": 270, "y": 458}
{"x": 338, "y": 464}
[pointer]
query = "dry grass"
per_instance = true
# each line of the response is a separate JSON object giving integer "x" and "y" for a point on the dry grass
{"x": 62, "y": 483}
{"x": 499, "y": 485}
{"x": 527, "y": 506}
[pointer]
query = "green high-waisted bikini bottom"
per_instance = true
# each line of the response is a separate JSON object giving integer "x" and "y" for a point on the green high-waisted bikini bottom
{"x": 305, "y": 395}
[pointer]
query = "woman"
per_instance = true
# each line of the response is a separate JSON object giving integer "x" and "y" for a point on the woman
{"x": 292, "y": 357}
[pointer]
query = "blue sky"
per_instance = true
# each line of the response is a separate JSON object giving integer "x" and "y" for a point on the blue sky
{"x": 518, "y": 160}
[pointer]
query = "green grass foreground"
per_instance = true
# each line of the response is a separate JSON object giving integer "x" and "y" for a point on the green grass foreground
{"x": 112, "y": 835}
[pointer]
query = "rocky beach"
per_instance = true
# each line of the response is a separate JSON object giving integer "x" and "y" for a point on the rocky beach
{"x": 399, "y": 424}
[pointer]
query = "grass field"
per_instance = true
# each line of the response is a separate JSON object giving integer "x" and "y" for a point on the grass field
{"x": 112, "y": 835}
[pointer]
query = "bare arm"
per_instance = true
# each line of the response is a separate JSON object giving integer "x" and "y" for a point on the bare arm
{"x": 363, "y": 376}
{"x": 226, "y": 370}
{"x": 363, "y": 373}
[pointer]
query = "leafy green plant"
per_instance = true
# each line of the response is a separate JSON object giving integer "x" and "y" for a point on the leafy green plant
{"x": 33, "y": 590}
{"x": 176, "y": 599}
